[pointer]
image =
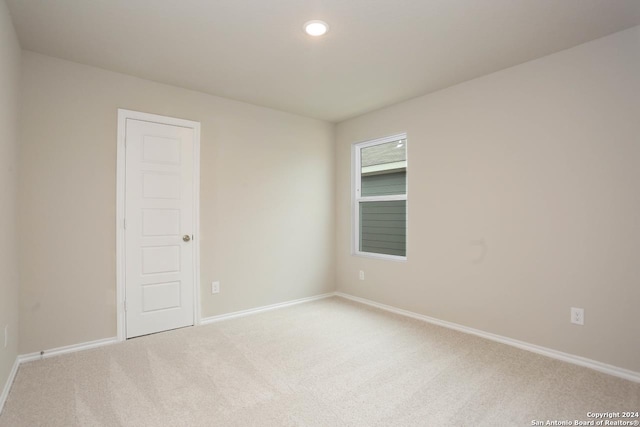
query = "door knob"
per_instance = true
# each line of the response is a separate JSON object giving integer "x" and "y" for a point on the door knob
{"x": 186, "y": 237}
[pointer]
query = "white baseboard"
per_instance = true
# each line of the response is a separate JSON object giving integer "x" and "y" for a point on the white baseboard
{"x": 23, "y": 358}
{"x": 577, "y": 360}
{"x": 221, "y": 317}
{"x": 555, "y": 354}
{"x": 9, "y": 383}
{"x": 66, "y": 349}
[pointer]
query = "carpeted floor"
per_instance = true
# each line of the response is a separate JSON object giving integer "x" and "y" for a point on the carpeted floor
{"x": 325, "y": 363}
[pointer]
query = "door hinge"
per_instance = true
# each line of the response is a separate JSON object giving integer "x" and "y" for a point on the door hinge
{"x": 124, "y": 223}
{"x": 125, "y": 305}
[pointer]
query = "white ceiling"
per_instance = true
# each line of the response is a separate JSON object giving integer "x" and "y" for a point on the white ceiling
{"x": 377, "y": 52}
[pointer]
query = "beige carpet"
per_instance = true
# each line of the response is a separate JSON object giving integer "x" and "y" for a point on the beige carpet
{"x": 325, "y": 363}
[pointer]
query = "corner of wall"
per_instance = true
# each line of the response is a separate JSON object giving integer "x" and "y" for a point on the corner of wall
{"x": 10, "y": 63}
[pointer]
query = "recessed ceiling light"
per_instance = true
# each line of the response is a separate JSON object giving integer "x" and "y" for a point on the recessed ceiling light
{"x": 316, "y": 28}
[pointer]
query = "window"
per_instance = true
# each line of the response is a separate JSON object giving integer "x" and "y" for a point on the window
{"x": 380, "y": 197}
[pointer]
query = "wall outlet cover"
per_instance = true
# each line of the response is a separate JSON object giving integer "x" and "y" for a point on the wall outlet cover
{"x": 215, "y": 287}
{"x": 577, "y": 315}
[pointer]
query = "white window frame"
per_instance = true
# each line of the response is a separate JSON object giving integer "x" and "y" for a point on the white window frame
{"x": 356, "y": 197}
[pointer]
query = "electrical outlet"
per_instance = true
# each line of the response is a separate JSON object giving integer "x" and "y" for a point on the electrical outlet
{"x": 577, "y": 315}
{"x": 361, "y": 275}
{"x": 215, "y": 287}
{"x": 6, "y": 336}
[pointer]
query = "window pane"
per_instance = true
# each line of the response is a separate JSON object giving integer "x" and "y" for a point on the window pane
{"x": 383, "y": 227}
{"x": 384, "y": 169}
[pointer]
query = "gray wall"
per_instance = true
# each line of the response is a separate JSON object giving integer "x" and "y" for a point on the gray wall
{"x": 250, "y": 156}
{"x": 9, "y": 279}
{"x": 539, "y": 162}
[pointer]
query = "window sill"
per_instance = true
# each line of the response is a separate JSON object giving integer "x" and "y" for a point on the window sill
{"x": 396, "y": 258}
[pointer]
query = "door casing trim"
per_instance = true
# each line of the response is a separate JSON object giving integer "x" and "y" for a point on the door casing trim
{"x": 123, "y": 115}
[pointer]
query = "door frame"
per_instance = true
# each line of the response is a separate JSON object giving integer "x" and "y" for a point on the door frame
{"x": 123, "y": 115}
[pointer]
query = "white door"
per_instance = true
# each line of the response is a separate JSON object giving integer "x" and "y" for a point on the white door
{"x": 159, "y": 227}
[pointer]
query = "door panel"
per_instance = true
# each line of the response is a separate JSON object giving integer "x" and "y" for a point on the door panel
{"x": 159, "y": 211}
{"x": 160, "y": 222}
{"x": 157, "y": 185}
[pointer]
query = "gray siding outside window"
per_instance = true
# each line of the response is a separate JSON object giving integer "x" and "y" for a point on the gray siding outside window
{"x": 384, "y": 184}
{"x": 383, "y": 227}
